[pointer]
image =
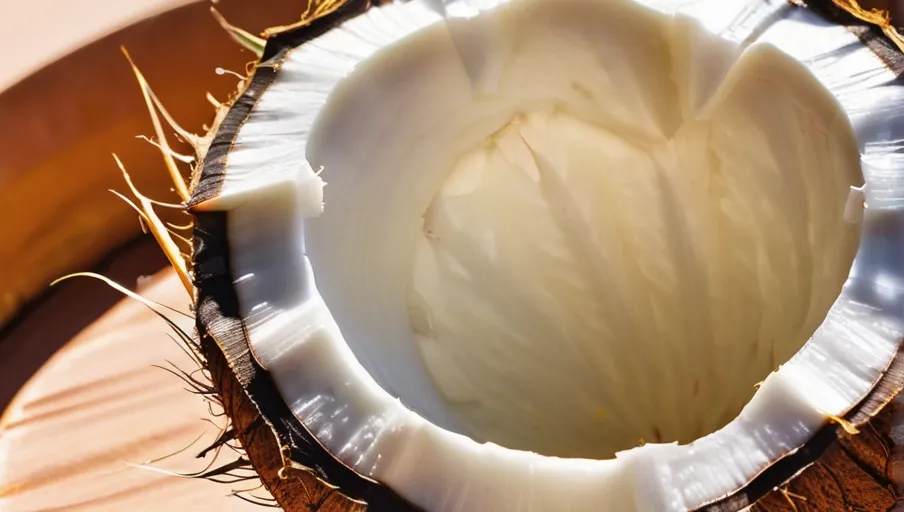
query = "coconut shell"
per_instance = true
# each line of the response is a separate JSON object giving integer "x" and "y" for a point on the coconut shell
{"x": 852, "y": 464}
{"x": 837, "y": 470}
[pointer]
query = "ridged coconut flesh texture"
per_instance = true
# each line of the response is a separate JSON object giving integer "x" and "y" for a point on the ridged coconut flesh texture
{"x": 563, "y": 226}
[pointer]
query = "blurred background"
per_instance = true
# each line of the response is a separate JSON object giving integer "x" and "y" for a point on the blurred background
{"x": 82, "y": 404}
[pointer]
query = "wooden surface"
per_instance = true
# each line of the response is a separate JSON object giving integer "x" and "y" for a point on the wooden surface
{"x": 59, "y": 126}
{"x": 69, "y": 440}
{"x": 70, "y": 437}
{"x": 65, "y": 311}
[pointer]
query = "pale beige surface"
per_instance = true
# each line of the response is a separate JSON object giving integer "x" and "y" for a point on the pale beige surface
{"x": 37, "y": 32}
{"x": 69, "y": 440}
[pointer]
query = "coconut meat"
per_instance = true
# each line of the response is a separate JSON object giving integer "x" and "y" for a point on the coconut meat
{"x": 575, "y": 292}
{"x": 585, "y": 235}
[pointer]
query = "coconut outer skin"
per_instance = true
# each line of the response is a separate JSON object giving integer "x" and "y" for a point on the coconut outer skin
{"x": 837, "y": 469}
{"x": 301, "y": 490}
{"x": 842, "y": 469}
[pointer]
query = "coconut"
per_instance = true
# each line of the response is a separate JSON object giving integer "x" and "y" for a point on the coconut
{"x": 558, "y": 255}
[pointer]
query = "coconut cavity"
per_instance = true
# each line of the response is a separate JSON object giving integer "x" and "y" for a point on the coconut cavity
{"x": 576, "y": 292}
{"x": 569, "y": 227}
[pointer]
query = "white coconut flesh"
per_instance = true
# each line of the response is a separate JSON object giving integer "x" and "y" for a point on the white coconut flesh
{"x": 555, "y": 228}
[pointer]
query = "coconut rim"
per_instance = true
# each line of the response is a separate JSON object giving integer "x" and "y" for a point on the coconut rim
{"x": 218, "y": 307}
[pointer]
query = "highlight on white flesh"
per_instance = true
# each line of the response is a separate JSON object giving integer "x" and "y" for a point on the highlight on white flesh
{"x": 664, "y": 215}
{"x": 576, "y": 290}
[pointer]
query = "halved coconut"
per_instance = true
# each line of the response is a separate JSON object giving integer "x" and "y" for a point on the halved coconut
{"x": 561, "y": 244}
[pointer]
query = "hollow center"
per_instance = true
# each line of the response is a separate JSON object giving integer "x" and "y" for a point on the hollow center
{"x": 575, "y": 293}
{"x": 580, "y": 225}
